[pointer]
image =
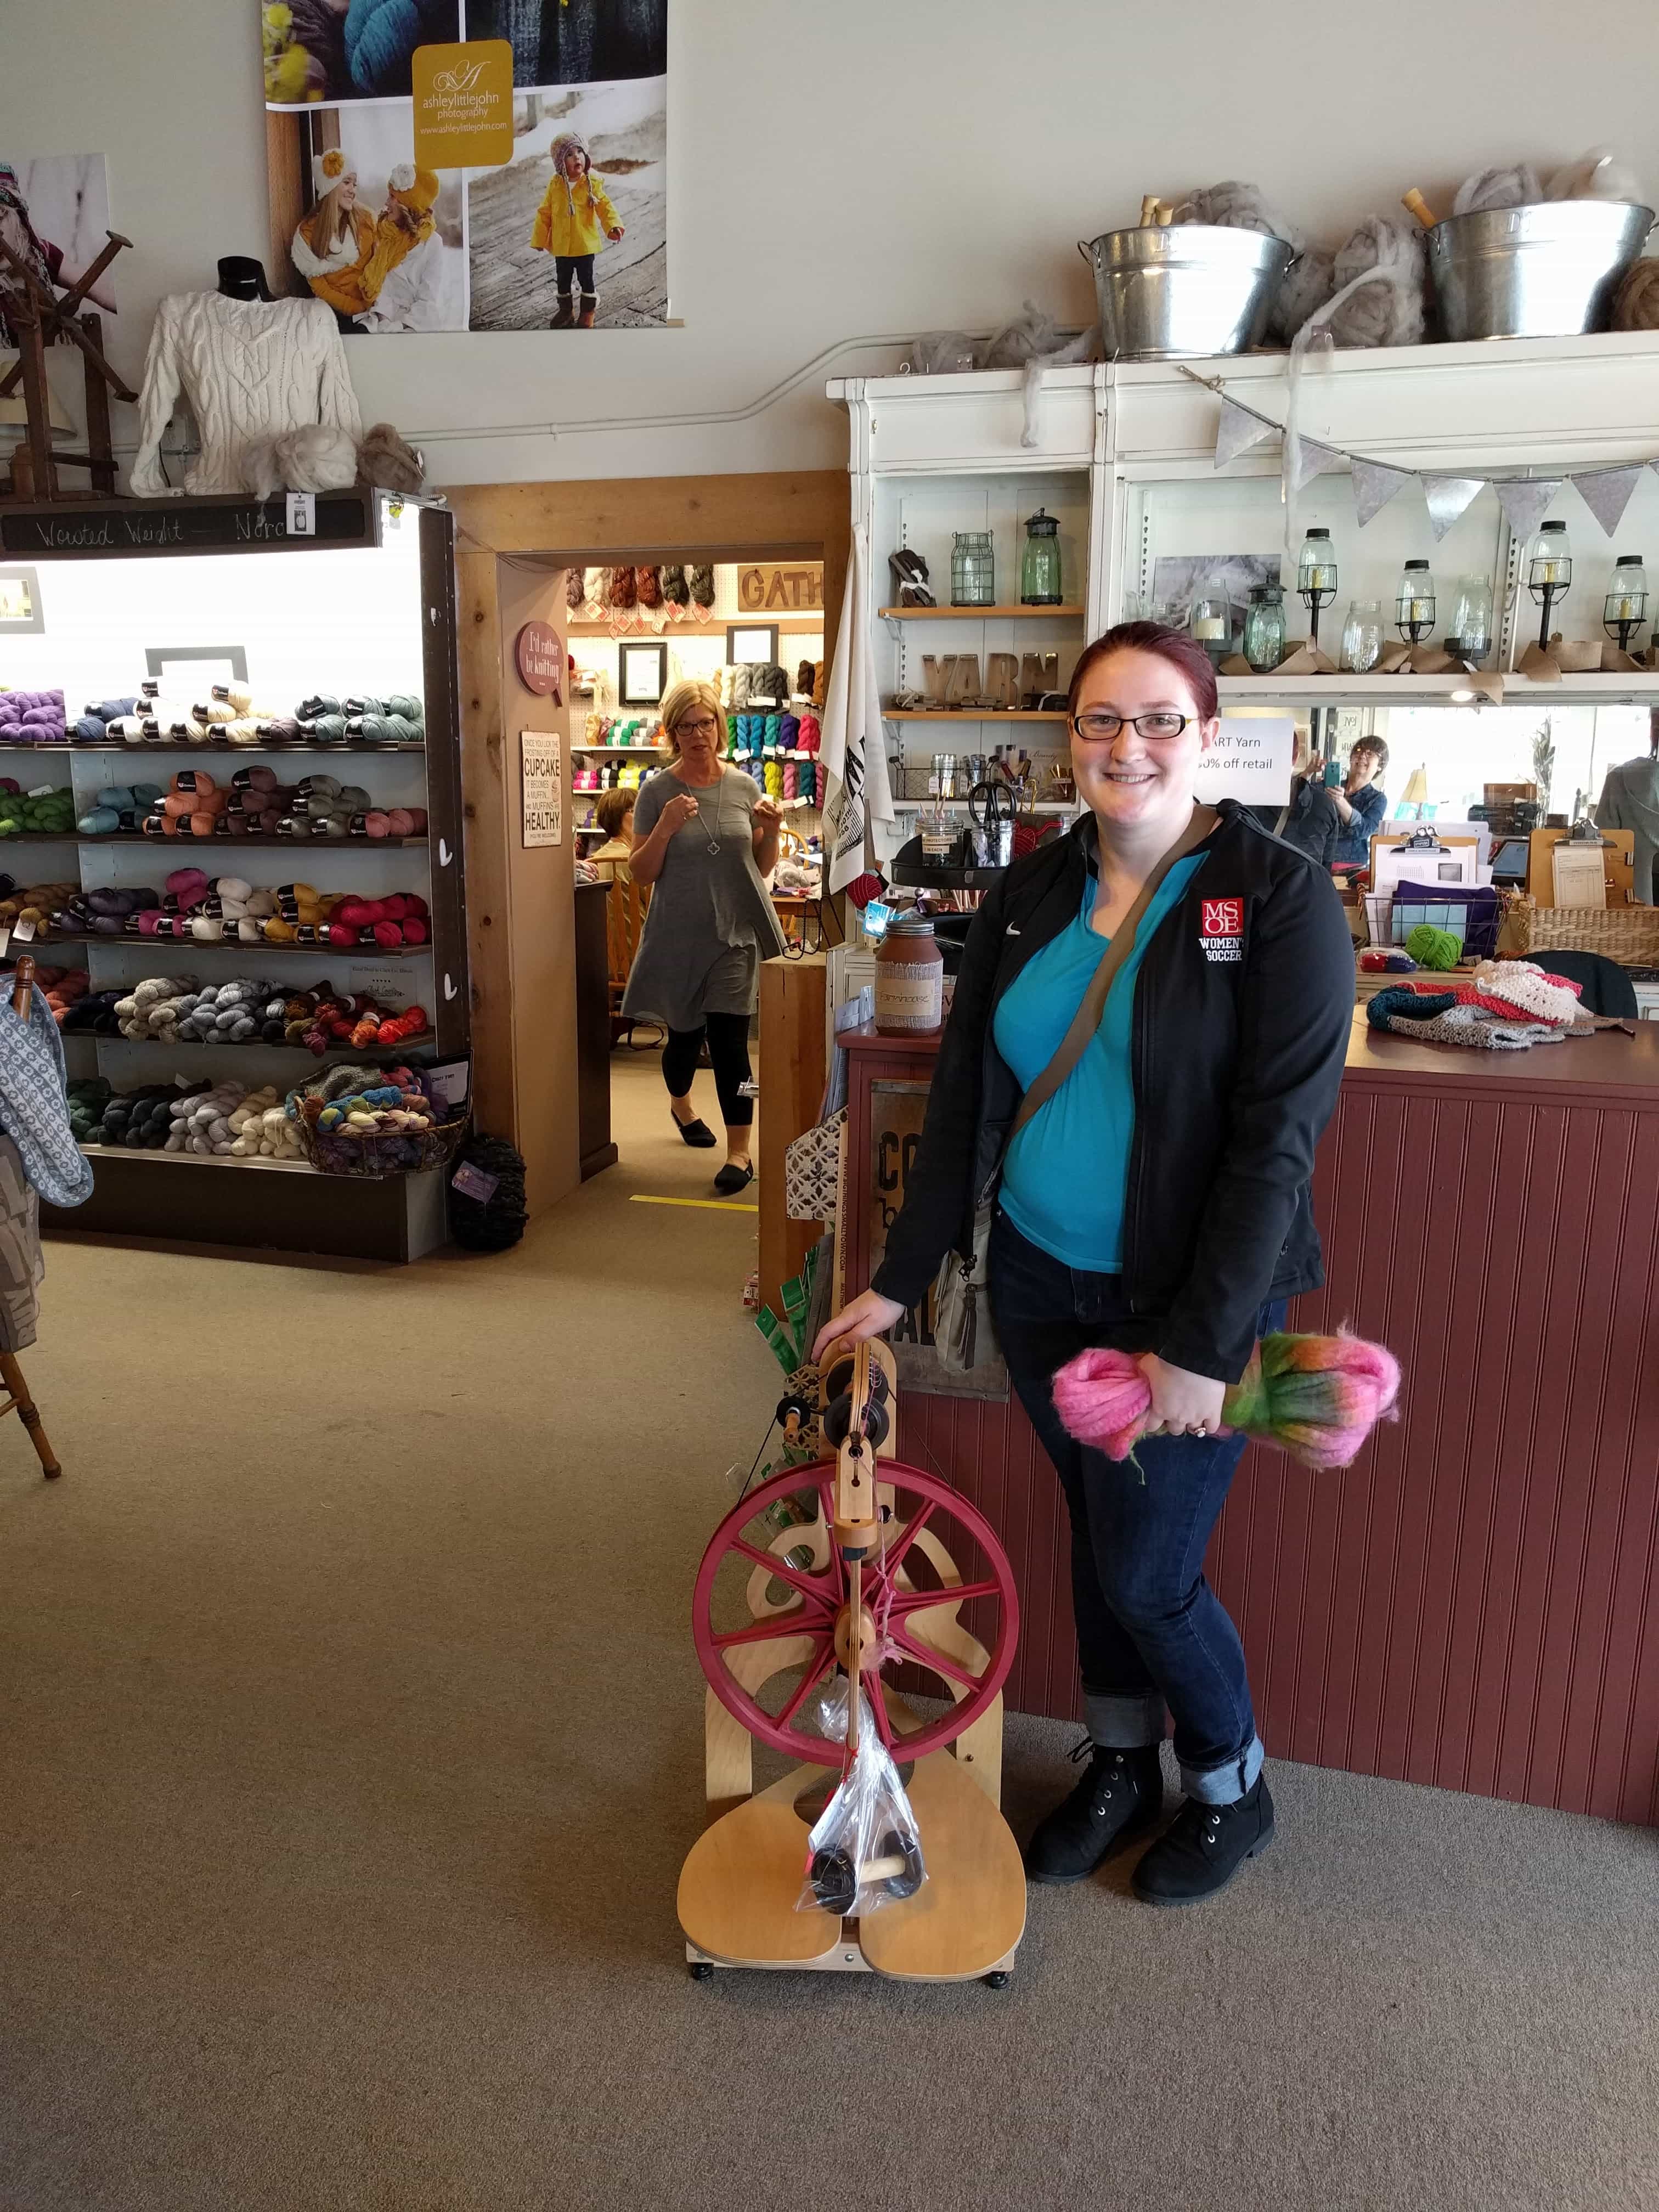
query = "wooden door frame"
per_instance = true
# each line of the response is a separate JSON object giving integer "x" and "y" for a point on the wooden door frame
{"x": 795, "y": 515}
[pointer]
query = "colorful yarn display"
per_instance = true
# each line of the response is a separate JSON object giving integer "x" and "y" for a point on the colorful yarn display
{"x": 1317, "y": 1397}
{"x": 773, "y": 779}
{"x": 792, "y": 778}
{"x": 1432, "y": 947}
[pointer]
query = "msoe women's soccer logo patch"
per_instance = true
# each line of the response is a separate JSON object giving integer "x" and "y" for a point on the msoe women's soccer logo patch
{"x": 1221, "y": 929}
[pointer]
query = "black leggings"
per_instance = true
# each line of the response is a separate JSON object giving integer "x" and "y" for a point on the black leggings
{"x": 728, "y": 1050}
{"x": 571, "y": 269}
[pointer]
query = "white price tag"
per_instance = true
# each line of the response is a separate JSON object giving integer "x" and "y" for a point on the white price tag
{"x": 302, "y": 514}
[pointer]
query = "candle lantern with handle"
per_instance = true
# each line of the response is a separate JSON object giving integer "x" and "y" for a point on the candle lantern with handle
{"x": 1625, "y": 609}
{"x": 1316, "y": 578}
{"x": 1549, "y": 573}
{"x": 1413, "y": 605}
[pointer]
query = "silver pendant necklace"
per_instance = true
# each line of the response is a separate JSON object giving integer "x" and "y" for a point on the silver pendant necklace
{"x": 720, "y": 793}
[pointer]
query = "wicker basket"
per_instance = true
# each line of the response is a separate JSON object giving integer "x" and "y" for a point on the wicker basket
{"x": 1626, "y": 933}
{"x": 378, "y": 1154}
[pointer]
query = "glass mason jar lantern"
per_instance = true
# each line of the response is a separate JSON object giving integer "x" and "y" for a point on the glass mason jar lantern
{"x": 973, "y": 570}
{"x": 1362, "y": 635}
{"x": 1549, "y": 572}
{"x": 1039, "y": 563}
{"x": 1212, "y": 625}
{"x": 1413, "y": 605}
{"x": 1625, "y": 609}
{"x": 1316, "y": 578}
{"x": 1264, "y": 627}
{"x": 1471, "y": 630}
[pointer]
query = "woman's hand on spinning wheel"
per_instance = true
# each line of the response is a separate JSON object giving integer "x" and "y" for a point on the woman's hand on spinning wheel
{"x": 1183, "y": 1404}
{"x": 867, "y": 1316}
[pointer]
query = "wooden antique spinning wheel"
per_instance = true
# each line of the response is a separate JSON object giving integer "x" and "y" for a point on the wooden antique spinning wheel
{"x": 859, "y": 1566}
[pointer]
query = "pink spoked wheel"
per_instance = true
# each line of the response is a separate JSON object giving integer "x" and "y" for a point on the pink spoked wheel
{"x": 771, "y": 1615}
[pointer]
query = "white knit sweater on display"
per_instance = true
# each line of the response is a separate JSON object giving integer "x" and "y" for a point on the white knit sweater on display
{"x": 247, "y": 368}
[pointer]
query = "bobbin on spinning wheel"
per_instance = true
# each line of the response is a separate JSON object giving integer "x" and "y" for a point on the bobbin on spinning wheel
{"x": 859, "y": 1566}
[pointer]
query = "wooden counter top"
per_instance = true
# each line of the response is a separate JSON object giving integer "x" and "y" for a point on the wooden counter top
{"x": 1610, "y": 1064}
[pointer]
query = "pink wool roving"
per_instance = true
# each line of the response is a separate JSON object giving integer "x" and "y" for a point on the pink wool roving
{"x": 1317, "y": 1397}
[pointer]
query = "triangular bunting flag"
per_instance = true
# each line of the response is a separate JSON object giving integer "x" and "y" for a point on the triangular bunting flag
{"x": 1238, "y": 430}
{"x": 1447, "y": 498}
{"x": 1375, "y": 485}
{"x": 1524, "y": 499}
{"x": 1607, "y": 493}
{"x": 1311, "y": 458}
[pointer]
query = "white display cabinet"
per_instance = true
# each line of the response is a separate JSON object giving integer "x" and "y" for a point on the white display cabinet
{"x": 1126, "y": 454}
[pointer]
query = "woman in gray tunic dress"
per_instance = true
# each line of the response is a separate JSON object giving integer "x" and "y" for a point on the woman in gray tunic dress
{"x": 704, "y": 836}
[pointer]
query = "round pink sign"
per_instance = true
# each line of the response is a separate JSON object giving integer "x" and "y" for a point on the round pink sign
{"x": 540, "y": 654}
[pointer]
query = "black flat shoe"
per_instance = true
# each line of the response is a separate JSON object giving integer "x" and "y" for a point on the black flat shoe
{"x": 696, "y": 1133}
{"x": 732, "y": 1178}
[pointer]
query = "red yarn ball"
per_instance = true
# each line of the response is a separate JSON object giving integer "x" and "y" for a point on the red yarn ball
{"x": 414, "y": 930}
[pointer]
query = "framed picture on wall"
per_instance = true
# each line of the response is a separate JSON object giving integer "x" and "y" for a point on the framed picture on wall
{"x": 754, "y": 641}
{"x": 644, "y": 675}
{"x": 19, "y": 601}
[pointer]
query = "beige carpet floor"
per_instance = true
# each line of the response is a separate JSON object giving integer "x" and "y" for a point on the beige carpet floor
{"x": 350, "y": 1745}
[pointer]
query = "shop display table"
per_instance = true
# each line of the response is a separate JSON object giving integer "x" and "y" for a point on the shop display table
{"x": 1469, "y": 1605}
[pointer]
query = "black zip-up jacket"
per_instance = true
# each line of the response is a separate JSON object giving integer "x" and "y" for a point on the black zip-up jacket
{"x": 1244, "y": 1002}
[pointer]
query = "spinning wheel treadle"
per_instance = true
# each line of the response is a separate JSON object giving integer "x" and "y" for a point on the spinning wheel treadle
{"x": 849, "y": 1567}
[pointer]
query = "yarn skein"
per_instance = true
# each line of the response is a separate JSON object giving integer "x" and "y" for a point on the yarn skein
{"x": 1432, "y": 947}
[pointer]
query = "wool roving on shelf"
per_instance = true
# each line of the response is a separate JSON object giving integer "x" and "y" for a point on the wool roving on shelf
{"x": 1519, "y": 186}
{"x": 387, "y": 461}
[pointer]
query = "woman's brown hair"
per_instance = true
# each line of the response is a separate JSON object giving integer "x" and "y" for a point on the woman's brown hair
{"x": 612, "y": 808}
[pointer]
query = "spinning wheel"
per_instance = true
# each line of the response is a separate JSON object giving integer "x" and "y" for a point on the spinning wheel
{"x": 910, "y": 1593}
{"x": 855, "y": 1565}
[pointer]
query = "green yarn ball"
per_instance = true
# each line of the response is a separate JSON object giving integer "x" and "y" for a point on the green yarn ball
{"x": 1434, "y": 948}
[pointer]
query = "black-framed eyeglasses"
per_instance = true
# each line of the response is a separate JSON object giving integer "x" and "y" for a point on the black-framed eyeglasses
{"x": 1101, "y": 727}
{"x": 701, "y": 725}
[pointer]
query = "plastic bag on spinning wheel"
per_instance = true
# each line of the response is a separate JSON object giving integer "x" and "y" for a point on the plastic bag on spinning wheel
{"x": 864, "y": 1848}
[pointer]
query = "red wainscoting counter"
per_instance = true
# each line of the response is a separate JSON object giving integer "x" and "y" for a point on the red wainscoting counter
{"x": 1475, "y": 1602}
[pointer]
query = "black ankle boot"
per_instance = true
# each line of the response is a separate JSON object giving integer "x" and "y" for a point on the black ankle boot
{"x": 1204, "y": 1847}
{"x": 1118, "y": 1798}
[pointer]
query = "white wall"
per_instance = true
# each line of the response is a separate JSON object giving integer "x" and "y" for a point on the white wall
{"x": 840, "y": 168}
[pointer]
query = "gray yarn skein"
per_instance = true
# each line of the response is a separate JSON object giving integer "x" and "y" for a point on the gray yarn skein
{"x": 1308, "y": 283}
{"x": 1499, "y": 188}
{"x": 1388, "y": 310}
{"x": 1235, "y": 205}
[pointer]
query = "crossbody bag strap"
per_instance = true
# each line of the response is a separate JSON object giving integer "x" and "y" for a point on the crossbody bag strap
{"x": 1087, "y": 1018}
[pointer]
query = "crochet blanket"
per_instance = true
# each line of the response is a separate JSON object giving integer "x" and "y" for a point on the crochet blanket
{"x": 33, "y": 1106}
{"x": 1519, "y": 989}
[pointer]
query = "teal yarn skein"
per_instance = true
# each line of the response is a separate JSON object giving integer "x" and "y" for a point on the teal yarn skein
{"x": 1434, "y": 948}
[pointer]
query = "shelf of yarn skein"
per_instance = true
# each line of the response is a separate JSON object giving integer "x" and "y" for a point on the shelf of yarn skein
{"x": 323, "y": 947}
{"x": 238, "y": 838}
{"x": 206, "y": 746}
{"x": 194, "y": 1159}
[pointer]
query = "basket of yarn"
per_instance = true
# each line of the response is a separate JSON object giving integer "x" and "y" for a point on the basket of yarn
{"x": 1317, "y": 1397}
{"x": 372, "y": 1121}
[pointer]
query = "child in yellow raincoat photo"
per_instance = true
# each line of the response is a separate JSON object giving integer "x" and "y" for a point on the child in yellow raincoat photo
{"x": 572, "y": 223}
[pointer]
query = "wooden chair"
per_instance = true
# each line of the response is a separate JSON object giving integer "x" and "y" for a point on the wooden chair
{"x": 18, "y": 1400}
{"x": 625, "y": 910}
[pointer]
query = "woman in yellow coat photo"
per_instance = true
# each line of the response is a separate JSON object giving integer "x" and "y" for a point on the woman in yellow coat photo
{"x": 331, "y": 247}
{"x": 572, "y": 223}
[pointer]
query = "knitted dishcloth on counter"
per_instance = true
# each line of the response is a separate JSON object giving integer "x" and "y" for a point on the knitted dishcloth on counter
{"x": 1516, "y": 988}
{"x": 1441, "y": 1020}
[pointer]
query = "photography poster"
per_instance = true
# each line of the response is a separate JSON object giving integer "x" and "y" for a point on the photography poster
{"x": 568, "y": 231}
{"x": 54, "y": 216}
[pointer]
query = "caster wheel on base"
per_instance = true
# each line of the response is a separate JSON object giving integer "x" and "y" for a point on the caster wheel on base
{"x": 998, "y": 1980}
{"x": 701, "y": 1971}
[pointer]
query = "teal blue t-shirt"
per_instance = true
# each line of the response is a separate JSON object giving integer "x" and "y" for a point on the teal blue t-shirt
{"x": 1066, "y": 1174}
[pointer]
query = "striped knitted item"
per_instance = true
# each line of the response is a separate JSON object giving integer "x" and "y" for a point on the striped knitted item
{"x": 1440, "y": 1019}
{"x": 33, "y": 1103}
{"x": 1516, "y": 988}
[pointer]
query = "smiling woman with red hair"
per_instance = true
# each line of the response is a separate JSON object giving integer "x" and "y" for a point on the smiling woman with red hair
{"x": 1148, "y": 1032}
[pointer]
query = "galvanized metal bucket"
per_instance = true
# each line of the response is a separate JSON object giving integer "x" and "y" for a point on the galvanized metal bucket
{"x": 1184, "y": 288}
{"x": 1545, "y": 270}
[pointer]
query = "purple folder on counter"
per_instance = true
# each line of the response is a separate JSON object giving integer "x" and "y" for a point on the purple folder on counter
{"x": 1475, "y": 911}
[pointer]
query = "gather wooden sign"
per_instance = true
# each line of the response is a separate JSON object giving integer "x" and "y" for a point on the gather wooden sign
{"x": 766, "y": 587}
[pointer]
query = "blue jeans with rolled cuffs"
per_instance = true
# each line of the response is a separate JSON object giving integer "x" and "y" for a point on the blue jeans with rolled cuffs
{"x": 1151, "y": 1634}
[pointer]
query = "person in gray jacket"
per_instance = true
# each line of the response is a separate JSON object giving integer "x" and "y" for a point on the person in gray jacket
{"x": 1630, "y": 801}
